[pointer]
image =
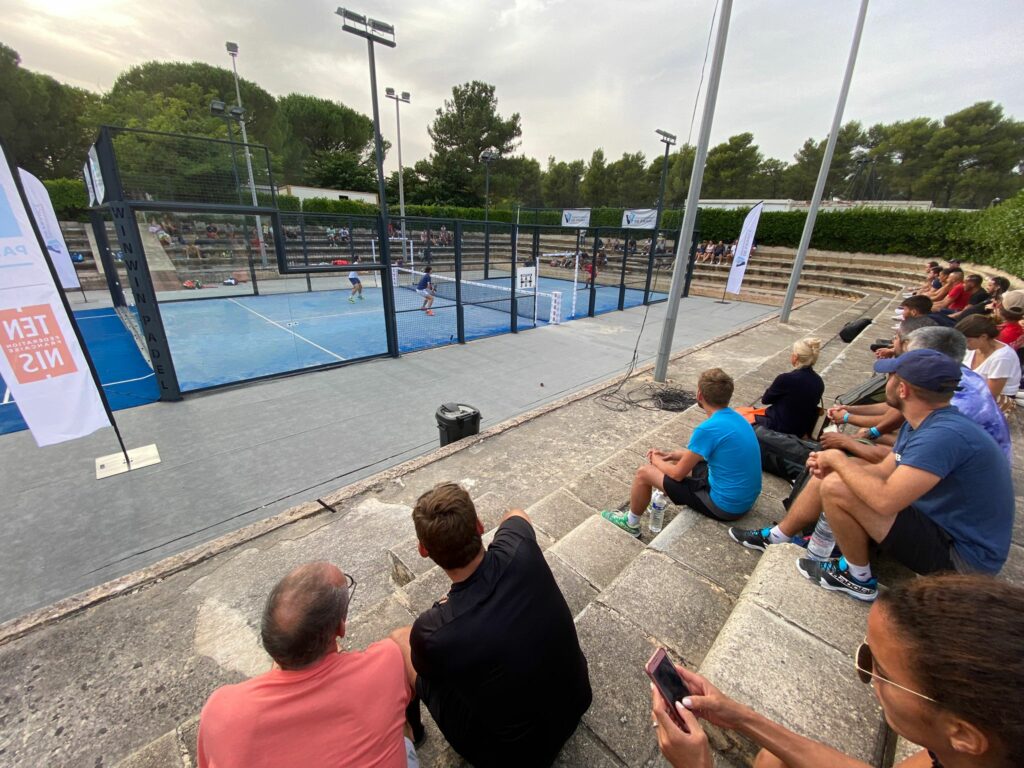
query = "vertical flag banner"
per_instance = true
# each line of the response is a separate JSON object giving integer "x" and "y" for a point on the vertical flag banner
{"x": 46, "y": 220}
{"x": 742, "y": 255}
{"x": 41, "y": 360}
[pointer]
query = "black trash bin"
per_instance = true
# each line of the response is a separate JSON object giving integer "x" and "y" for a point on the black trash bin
{"x": 456, "y": 421}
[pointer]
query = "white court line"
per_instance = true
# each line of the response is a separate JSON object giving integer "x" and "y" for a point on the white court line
{"x": 286, "y": 330}
{"x": 8, "y": 400}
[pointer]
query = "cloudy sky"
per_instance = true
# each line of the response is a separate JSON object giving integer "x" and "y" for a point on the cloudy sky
{"x": 581, "y": 74}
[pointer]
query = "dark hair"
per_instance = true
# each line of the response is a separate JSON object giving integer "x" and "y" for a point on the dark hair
{"x": 948, "y": 341}
{"x": 974, "y": 326}
{"x": 1001, "y": 283}
{"x": 445, "y": 521}
{"x": 428, "y": 269}
{"x": 302, "y": 615}
{"x": 920, "y": 304}
{"x": 976, "y": 279}
{"x": 716, "y": 386}
{"x": 933, "y": 263}
{"x": 911, "y": 324}
{"x": 946, "y": 270}
{"x": 962, "y": 636}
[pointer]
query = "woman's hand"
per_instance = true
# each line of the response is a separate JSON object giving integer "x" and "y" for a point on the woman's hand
{"x": 683, "y": 749}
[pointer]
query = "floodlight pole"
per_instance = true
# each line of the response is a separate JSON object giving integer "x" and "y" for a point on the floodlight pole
{"x": 487, "y": 156}
{"x": 826, "y": 163}
{"x": 668, "y": 140}
{"x": 693, "y": 195}
{"x": 233, "y": 51}
{"x": 399, "y": 98}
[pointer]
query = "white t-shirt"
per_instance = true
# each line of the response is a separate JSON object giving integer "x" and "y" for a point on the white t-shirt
{"x": 1001, "y": 364}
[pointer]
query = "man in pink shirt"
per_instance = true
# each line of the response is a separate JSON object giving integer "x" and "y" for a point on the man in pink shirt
{"x": 317, "y": 705}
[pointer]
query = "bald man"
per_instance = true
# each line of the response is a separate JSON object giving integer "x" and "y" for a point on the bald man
{"x": 317, "y": 705}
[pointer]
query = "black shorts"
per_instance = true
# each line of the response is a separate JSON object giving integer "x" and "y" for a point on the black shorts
{"x": 919, "y": 543}
{"x": 694, "y": 491}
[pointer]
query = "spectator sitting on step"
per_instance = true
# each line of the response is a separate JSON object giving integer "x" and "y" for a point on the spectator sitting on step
{"x": 931, "y": 281}
{"x": 1008, "y": 324}
{"x": 942, "y": 654}
{"x": 991, "y": 358}
{"x": 960, "y": 297}
{"x": 942, "y": 500}
{"x": 951, "y": 278}
{"x": 317, "y": 705}
{"x": 972, "y": 399}
{"x": 793, "y": 397}
{"x": 911, "y": 322}
{"x": 718, "y": 474}
{"x": 718, "y": 252}
{"x": 497, "y": 659}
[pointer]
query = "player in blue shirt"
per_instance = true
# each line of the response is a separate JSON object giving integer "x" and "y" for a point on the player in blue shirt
{"x": 718, "y": 473}
{"x": 425, "y": 288}
{"x": 357, "y": 284}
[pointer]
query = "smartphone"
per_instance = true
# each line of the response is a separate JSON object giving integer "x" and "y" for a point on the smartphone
{"x": 667, "y": 680}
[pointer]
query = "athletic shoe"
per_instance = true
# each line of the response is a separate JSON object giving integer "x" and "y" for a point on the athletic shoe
{"x": 430, "y": 312}
{"x": 621, "y": 520}
{"x": 360, "y": 297}
{"x": 351, "y": 300}
{"x": 758, "y": 538}
{"x": 835, "y": 575}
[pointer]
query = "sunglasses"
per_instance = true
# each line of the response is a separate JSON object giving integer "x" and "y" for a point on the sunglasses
{"x": 350, "y": 583}
{"x": 864, "y": 661}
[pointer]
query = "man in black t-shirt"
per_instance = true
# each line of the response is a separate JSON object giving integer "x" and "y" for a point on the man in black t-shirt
{"x": 497, "y": 660}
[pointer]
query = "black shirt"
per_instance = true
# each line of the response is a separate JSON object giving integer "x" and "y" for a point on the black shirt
{"x": 793, "y": 399}
{"x": 500, "y": 667}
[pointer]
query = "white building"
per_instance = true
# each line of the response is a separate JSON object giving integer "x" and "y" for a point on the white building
{"x": 826, "y": 205}
{"x": 307, "y": 193}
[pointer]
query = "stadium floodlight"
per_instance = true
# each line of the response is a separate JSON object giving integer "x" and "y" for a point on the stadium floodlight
{"x": 232, "y": 48}
{"x": 374, "y": 30}
{"x": 218, "y": 108}
{"x": 668, "y": 138}
{"x": 487, "y": 157}
{"x": 237, "y": 113}
{"x": 402, "y": 98}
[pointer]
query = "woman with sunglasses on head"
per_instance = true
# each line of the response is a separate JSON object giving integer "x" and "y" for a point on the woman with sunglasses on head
{"x": 944, "y": 656}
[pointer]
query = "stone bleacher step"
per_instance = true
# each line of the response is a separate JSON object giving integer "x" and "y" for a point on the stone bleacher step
{"x": 786, "y": 650}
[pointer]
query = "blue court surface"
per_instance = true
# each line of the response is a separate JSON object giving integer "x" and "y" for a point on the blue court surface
{"x": 225, "y": 340}
{"x": 127, "y": 379}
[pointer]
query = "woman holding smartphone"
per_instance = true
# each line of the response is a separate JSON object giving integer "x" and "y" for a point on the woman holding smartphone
{"x": 943, "y": 654}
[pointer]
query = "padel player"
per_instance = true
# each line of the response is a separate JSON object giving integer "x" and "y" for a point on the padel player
{"x": 357, "y": 284}
{"x": 425, "y": 288}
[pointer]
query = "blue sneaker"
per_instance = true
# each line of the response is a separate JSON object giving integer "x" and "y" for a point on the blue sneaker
{"x": 835, "y": 575}
{"x": 758, "y": 538}
{"x": 621, "y": 520}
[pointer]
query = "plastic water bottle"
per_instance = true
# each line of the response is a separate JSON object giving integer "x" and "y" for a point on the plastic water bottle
{"x": 656, "y": 510}
{"x": 822, "y": 541}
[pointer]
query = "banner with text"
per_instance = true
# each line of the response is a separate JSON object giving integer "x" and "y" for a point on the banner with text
{"x": 576, "y": 217}
{"x": 41, "y": 361}
{"x": 49, "y": 228}
{"x": 640, "y": 218}
{"x": 742, "y": 255}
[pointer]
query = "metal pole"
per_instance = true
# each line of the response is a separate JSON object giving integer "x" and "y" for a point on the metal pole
{"x": 248, "y": 165}
{"x": 487, "y": 210}
{"x": 693, "y": 196}
{"x": 826, "y": 162}
{"x": 401, "y": 185}
{"x": 657, "y": 226}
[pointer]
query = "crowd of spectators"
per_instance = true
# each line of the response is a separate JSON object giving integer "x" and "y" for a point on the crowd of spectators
{"x": 497, "y": 661}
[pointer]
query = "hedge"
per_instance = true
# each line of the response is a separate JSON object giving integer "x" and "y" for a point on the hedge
{"x": 69, "y": 200}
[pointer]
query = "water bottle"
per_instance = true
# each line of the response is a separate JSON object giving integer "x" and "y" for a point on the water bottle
{"x": 822, "y": 541}
{"x": 656, "y": 509}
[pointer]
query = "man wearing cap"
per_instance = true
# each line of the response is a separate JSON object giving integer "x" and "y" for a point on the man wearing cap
{"x": 941, "y": 501}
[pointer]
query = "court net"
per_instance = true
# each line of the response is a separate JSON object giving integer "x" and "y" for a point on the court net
{"x": 529, "y": 303}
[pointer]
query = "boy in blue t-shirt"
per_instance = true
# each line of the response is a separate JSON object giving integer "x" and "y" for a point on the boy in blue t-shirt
{"x": 425, "y": 288}
{"x": 718, "y": 473}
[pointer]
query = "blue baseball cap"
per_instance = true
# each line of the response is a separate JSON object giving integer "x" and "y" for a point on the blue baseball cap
{"x": 925, "y": 368}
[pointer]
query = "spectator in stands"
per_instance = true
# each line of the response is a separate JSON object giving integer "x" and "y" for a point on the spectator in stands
{"x": 905, "y": 328}
{"x": 793, "y": 397}
{"x": 942, "y": 500}
{"x": 972, "y": 399}
{"x": 956, "y": 293}
{"x": 916, "y": 306}
{"x": 718, "y": 252}
{"x": 943, "y": 656}
{"x": 931, "y": 281}
{"x": 497, "y": 660}
{"x": 718, "y": 474}
{"x": 938, "y": 294}
{"x": 317, "y": 705}
{"x": 990, "y": 357}
{"x": 1008, "y": 324}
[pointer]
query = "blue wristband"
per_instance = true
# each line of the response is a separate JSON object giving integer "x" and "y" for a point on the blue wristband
{"x": 846, "y": 418}
{"x": 875, "y": 434}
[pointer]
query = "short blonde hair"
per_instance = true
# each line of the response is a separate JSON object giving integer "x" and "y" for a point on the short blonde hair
{"x": 807, "y": 351}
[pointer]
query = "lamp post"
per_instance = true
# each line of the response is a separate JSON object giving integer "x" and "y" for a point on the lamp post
{"x": 399, "y": 98}
{"x": 375, "y": 31}
{"x": 220, "y": 109}
{"x": 487, "y": 157}
{"x": 669, "y": 140}
{"x": 232, "y": 49}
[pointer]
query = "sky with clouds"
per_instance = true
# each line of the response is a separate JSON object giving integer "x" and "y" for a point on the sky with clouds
{"x": 582, "y": 75}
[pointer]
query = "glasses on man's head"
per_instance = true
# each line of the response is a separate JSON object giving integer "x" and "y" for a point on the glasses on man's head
{"x": 350, "y": 584}
{"x": 864, "y": 661}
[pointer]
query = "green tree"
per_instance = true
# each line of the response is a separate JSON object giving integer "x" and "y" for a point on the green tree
{"x": 801, "y": 177}
{"x": 680, "y": 168}
{"x": 517, "y": 180}
{"x": 341, "y": 170}
{"x": 562, "y": 183}
{"x": 314, "y": 127}
{"x": 465, "y": 126}
{"x": 598, "y": 186}
{"x": 632, "y": 185}
{"x": 732, "y": 167}
{"x": 43, "y": 121}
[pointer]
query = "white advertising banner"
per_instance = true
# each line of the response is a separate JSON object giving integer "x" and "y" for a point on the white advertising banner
{"x": 41, "y": 361}
{"x": 49, "y": 228}
{"x": 98, "y": 186}
{"x": 576, "y": 217}
{"x": 742, "y": 255}
{"x": 88, "y": 184}
{"x": 640, "y": 218}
